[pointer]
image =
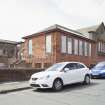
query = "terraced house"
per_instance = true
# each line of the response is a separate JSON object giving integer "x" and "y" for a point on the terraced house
{"x": 8, "y": 53}
{"x": 57, "y": 43}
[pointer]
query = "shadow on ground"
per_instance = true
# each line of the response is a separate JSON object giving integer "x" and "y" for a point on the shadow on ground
{"x": 67, "y": 88}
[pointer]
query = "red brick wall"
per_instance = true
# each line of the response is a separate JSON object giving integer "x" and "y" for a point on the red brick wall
{"x": 39, "y": 46}
{"x": 39, "y": 54}
{"x": 70, "y": 57}
{"x": 56, "y": 55}
{"x": 16, "y": 74}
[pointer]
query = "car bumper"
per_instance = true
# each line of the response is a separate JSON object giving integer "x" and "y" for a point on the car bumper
{"x": 98, "y": 76}
{"x": 40, "y": 84}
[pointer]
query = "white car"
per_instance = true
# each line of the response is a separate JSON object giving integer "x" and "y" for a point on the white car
{"x": 61, "y": 74}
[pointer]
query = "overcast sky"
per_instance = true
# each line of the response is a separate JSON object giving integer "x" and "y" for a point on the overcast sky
{"x": 19, "y": 18}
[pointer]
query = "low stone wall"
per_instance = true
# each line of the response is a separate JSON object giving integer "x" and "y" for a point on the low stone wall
{"x": 16, "y": 74}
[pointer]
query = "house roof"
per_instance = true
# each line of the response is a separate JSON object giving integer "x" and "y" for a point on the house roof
{"x": 8, "y": 41}
{"x": 83, "y": 32}
{"x": 54, "y": 27}
{"x": 90, "y": 29}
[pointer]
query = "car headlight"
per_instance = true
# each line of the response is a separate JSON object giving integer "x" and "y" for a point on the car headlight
{"x": 45, "y": 77}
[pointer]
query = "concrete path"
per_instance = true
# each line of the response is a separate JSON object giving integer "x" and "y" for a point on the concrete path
{"x": 13, "y": 86}
{"x": 76, "y": 94}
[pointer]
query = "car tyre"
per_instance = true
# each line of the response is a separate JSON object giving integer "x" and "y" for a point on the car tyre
{"x": 87, "y": 80}
{"x": 57, "y": 85}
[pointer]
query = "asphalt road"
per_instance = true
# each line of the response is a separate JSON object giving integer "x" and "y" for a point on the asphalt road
{"x": 76, "y": 94}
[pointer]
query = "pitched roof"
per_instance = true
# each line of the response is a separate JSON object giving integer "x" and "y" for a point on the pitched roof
{"x": 53, "y": 27}
{"x": 8, "y": 41}
{"x": 85, "y": 31}
{"x": 88, "y": 29}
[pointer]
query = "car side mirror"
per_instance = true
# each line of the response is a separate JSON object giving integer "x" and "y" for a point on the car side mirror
{"x": 66, "y": 69}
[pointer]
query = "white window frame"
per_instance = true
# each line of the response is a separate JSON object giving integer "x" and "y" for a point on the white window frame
{"x": 104, "y": 47}
{"x": 90, "y": 49}
{"x": 48, "y": 43}
{"x": 30, "y": 47}
{"x": 85, "y": 48}
{"x": 63, "y": 44}
{"x": 76, "y": 47}
{"x": 69, "y": 45}
{"x": 80, "y": 47}
{"x": 99, "y": 46}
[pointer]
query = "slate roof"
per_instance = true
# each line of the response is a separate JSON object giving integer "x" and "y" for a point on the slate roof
{"x": 8, "y": 41}
{"x": 53, "y": 27}
{"x": 84, "y": 32}
{"x": 88, "y": 29}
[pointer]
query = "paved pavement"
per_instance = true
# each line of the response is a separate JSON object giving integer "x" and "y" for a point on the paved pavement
{"x": 13, "y": 86}
{"x": 77, "y": 94}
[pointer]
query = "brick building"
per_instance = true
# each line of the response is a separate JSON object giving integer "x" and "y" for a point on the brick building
{"x": 58, "y": 43}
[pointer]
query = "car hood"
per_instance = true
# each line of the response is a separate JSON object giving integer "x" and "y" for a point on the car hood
{"x": 44, "y": 73}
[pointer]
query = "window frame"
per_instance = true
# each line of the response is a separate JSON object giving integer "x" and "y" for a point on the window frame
{"x": 76, "y": 47}
{"x": 85, "y": 48}
{"x": 81, "y": 48}
{"x": 46, "y": 51}
{"x": 90, "y": 49}
{"x": 30, "y": 47}
{"x": 63, "y": 50}
{"x": 69, "y": 42}
{"x": 76, "y": 66}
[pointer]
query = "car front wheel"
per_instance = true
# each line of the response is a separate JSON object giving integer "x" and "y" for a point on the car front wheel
{"x": 58, "y": 85}
{"x": 87, "y": 80}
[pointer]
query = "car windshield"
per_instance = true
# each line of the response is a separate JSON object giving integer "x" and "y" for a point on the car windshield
{"x": 100, "y": 65}
{"x": 56, "y": 67}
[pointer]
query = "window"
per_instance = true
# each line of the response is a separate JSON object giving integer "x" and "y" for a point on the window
{"x": 85, "y": 49}
{"x": 73, "y": 66}
{"x": 89, "y": 49}
{"x": 104, "y": 47}
{"x": 80, "y": 48}
{"x": 63, "y": 44}
{"x": 75, "y": 46}
{"x": 99, "y": 46}
{"x": 1, "y": 51}
{"x": 80, "y": 66}
{"x": 69, "y": 44}
{"x": 67, "y": 66}
{"x": 30, "y": 47}
{"x": 48, "y": 44}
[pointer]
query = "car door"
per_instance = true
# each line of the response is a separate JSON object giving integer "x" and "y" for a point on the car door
{"x": 70, "y": 75}
{"x": 79, "y": 72}
{"x": 74, "y": 72}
